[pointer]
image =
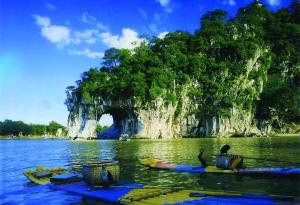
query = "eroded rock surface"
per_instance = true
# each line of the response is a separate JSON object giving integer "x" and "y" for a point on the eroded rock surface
{"x": 160, "y": 119}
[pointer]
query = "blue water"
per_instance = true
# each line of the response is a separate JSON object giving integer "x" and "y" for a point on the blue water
{"x": 18, "y": 155}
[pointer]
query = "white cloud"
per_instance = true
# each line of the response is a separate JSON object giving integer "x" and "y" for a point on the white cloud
{"x": 60, "y": 35}
{"x": 162, "y": 35}
{"x": 87, "y": 18}
{"x": 56, "y": 34}
{"x": 86, "y": 52}
{"x": 164, "y": 3}
{"x": 63, "y": 35}
{"x": 129, "y": 39}
{"x": 88, "y": 36}
{"x": 42, "y": 21}
{"x": 91, "y": 20}
{"x": 153, "y": 26}
{"x": 143, "y": 13}
{"x": 101, "y": 26}
{"x": 157, "y": 22}
{"x": 50, "y": 6}
{"x": 229, "y": 2}
{"x": 274, "y": 2}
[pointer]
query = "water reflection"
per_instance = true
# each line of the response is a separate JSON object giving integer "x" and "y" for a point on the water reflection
{"x": 84, "y": 152}
{"x": 17, "y": 155}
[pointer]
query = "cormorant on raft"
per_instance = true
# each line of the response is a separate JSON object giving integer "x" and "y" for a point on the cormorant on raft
{"x": 201, "y": 159}
{"x": 106, "y": 177}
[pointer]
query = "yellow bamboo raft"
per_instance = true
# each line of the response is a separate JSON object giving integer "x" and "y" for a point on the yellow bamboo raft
{"x": 42, "y": 175}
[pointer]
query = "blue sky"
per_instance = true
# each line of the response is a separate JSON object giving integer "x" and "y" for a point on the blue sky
{"x": 46, "y": 44}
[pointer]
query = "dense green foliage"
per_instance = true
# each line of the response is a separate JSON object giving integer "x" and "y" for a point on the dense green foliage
{"x": 280, "y": 99}
{"x": 9, "y": 127}
{"x": 100, "y": 128}
{"x": 213, "y": 62}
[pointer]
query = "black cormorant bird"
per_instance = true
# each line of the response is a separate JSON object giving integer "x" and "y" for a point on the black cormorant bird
{"x": 201, "y": 159}
{"x": 106, "y": 177}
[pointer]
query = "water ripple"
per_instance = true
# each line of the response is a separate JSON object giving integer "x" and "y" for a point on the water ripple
{"x": 18, "y": 155}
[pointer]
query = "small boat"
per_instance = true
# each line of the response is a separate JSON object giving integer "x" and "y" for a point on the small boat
{"x": 159, "y": 164}
{"x": 124, "y": 137}
{"x": 42, "y": 175}
{"x": 129, "y": 193}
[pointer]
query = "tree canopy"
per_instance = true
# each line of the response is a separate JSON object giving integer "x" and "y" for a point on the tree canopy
{"x": 9, "y": 127}
{"x": 214, "y": 60}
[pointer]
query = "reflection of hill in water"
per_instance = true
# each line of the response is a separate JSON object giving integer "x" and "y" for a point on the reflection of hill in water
{"x": 17, "y": 155}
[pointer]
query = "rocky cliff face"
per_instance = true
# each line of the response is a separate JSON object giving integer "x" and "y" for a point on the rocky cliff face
{"x": 155, "y": 121}
{"x": 162, "y": 120}
{"x": 82, "y": 122}
{"x": 241, "y": 121}
{"x": 159, "y": 122}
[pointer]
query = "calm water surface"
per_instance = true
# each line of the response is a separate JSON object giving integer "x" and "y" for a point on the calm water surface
{"x": 18, "y": 155}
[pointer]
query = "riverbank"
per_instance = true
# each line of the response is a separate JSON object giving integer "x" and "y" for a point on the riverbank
{"x": 32, "y": 137}
{"x": 286, "y": 135}
{"x": 65, "y": 137}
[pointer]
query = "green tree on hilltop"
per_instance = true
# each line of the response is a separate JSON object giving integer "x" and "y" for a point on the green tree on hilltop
{"x": 227, "y": 62}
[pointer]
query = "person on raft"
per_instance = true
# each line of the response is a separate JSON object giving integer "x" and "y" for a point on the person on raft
{"x": 223, "y": 160}
{"x": 224, "y": 149}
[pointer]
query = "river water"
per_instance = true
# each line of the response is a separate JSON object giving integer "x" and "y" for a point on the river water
{"x": 18, "y": 155}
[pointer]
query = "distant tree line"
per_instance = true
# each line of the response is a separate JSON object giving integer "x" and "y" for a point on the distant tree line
{"x": 9, "y": 127}
{"x": 100, "y": 128}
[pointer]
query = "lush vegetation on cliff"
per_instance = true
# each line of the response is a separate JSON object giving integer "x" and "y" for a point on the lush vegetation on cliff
{"x": 215, "y": 62}
{"x": 9, "y": 127}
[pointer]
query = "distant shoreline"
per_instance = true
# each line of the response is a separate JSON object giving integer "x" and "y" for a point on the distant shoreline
{"x": 286, "y": 135}
{"x": 31, "y": 137}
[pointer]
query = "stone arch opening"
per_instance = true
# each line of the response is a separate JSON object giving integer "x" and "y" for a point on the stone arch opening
{"x": 104, "y": 123}
{"x": 124, "y": 122}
